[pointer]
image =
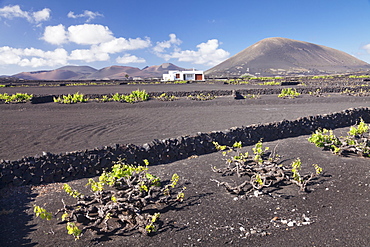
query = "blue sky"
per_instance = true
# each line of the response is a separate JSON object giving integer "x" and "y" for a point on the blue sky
{"x": 47, "y": 34}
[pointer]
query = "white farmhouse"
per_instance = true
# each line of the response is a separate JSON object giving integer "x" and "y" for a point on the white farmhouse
{"x": 191, "y": 75}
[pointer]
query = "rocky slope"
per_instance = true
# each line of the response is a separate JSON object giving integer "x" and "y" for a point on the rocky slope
{"x": 281, "y": 56}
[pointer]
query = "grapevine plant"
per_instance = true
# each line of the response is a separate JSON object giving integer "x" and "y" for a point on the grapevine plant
{"x": 120, "y": 202}
{"x": 288, "y": 93}
{"x": 103, "y": 99}
{"x": 133, "y": 97}
{"x": 166, "y": 97}
{"x": 201, "y": 97}
{"x": 253, "y": 96}
{"x": 317, "y": 93}
{"x": 259, "y": 170}
{"x": 360, "y": 93}
{"x": 357, "y": 141}
{"x": 71, "y": 99}
{"x": 16, "y": 98}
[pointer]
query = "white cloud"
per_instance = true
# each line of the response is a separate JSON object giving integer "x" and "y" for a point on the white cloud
{"x": 88, "y": 55}
{"x": 55, "y": 35}
{"x": 58, "y": 56}
{"x": 15, "y": 11}
{"x": 10, "y": 12}
{"x": 93, "y": 34}
{"x": 366, "y": 48}
{"x": 162, "y": 46}
{"x": 42, "y": 15}
{"x": 33, "y": 62}
{"x": 121, "y": 44}
{"x": 9, "y": 55}
{"x": 208, "y": 54}
{"x": 100, "y": 38}
{"x": 99, "y": 44}
{"x": 86, "y": 34}
{"x": 89, "y": 34}
{"x": 127, "y": 58}
{"x": 86, "y": 14}
{"x": 32, "y": 57}
{"x": 102, "y": 51}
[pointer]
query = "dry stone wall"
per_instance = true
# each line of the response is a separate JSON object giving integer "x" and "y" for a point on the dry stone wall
{"x": 37, "y": 99}
{"x": 50, "y": 167}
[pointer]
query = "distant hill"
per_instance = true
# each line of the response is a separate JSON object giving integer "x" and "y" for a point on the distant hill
{"x": 89, "y": 73}
{"x": 114, "y": 72}
{"x": 281, "y": 56}
{"x": 79, "y": 69}
{"x": 165, "y": 67}
{"x": 63, "y": 73}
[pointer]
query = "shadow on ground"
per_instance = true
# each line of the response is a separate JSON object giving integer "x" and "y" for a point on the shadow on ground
{"x": 15, "y": 228}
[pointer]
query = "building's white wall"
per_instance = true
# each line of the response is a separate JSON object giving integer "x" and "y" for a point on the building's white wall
{"x": 184, "y": 75}
{"x": 167, "y": 77}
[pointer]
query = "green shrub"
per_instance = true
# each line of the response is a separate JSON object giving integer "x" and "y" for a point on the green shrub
{"x": 180, "y": 82}
{"x": 316, "y": 93}
{"x": 359, "y": 130}
{"x": 77, "y": 84}
{"x": 253, "y": 96}
{"x": 269, "y": 83}
{"x": 259, "y": 171}
{"x": 300, "y": 180}
{"x": 238, "y": 81}
{"x": 201, "y": 97}
{"x": 104, "y": 98}
{"x": 357, "y": 140}
{"x": 359, "y": 93}
{"x": 42, "y": 213}
{"x": 267, "y": 78}
{"x": 322, "y": 77}
{"x": 325, "y": 139}
{"x": 71, "y": 99}
{"x": 359, "y": 76}
{"x": 165, "y": 97}
{"x": 288, "y": 93}
{"x": 16, "y": 98}
{"x": 137, "y": 96}
{"x": 133, "y": 97}
{"x": 133, "y": 195}
{"x": 118, "y": 97}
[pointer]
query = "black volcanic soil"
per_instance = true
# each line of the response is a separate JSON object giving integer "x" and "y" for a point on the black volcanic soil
{"x": 337, "y": 205}
{"x": 29, "y": 129}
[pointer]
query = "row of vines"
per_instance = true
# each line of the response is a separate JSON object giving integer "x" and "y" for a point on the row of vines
{"x": 120, "y": 199}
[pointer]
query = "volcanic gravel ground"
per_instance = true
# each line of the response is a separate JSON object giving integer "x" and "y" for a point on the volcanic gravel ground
{"x": 29, "y": 129}
{"x": 335, "y": 212}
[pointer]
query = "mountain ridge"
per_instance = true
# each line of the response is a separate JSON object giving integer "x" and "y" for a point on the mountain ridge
{"x": 282, "y": 56}
{"x": 75, "y": 72}
{"x": 274, "y": 56}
